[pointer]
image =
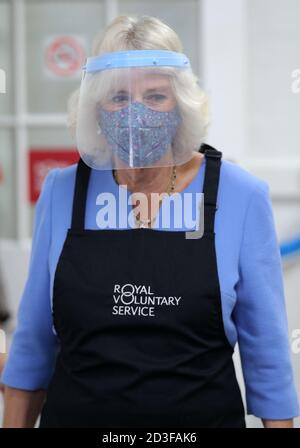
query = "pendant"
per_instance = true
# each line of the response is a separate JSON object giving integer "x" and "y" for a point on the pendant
{"x": 144, "y": 225}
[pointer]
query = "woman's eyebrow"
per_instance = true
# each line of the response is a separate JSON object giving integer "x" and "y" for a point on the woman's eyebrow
{"x": 120, "y": 91}
{"x": 160, "y": 88}
{"x": 164, "y": 89}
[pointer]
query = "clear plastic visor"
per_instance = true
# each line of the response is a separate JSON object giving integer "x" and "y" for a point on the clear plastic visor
{"x": 130, "y": 118}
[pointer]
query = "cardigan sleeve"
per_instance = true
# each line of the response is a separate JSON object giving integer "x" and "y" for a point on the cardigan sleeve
{"x": 260, "y": 315}
{"x": 32, "y": 353}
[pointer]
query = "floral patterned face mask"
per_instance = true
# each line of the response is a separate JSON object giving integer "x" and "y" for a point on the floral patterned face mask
{"x": 139, "y": 135}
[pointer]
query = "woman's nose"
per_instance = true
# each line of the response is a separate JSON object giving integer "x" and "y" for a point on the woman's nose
{"x": 137, "y": 98}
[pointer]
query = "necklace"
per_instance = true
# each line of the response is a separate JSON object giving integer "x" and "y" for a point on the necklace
{"x": 143, "y": 223}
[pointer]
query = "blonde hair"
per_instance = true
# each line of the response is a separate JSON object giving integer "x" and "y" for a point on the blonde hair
{"x": 148, "y": 33}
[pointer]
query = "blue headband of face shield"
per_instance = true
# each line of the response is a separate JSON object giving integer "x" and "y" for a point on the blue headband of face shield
{"x": 136, "y": 58}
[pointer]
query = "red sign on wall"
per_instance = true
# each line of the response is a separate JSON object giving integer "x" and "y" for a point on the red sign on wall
{"x": 64, "y": 55}
{"x": 42, "y": 161}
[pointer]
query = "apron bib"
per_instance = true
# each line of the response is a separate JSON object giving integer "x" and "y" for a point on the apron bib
{"x": 139, "y": 318}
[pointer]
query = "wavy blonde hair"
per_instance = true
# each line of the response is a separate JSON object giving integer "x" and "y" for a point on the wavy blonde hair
{"x": 146, "y": 33}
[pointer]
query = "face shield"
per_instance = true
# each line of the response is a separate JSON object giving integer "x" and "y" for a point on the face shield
{"x": 128, "y": 112}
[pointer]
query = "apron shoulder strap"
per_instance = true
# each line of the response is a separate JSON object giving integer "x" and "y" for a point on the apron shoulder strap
{"x": 211, "y": 184}
{"x": 80, "y": 193}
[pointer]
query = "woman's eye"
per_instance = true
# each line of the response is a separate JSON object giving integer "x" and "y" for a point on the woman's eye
{"x": 120, "y": 99}
{"x": 156, "y": 97}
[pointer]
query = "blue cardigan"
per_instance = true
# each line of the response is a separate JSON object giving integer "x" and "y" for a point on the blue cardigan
{"x": 250, "y": 274}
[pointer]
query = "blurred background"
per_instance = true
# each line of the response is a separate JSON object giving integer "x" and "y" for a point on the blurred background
{"x": 246, "y": 54}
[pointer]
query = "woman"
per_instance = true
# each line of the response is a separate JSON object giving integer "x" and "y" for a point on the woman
{"x": 145, "y": 319}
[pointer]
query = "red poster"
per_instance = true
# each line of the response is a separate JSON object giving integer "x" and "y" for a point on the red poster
{"x": 41, "y": 161}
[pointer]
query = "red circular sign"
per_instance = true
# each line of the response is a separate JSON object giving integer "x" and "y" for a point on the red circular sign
{"x": 64, "y": 56}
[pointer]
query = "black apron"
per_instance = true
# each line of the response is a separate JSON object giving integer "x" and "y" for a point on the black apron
{"x": 139, "y": 318}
